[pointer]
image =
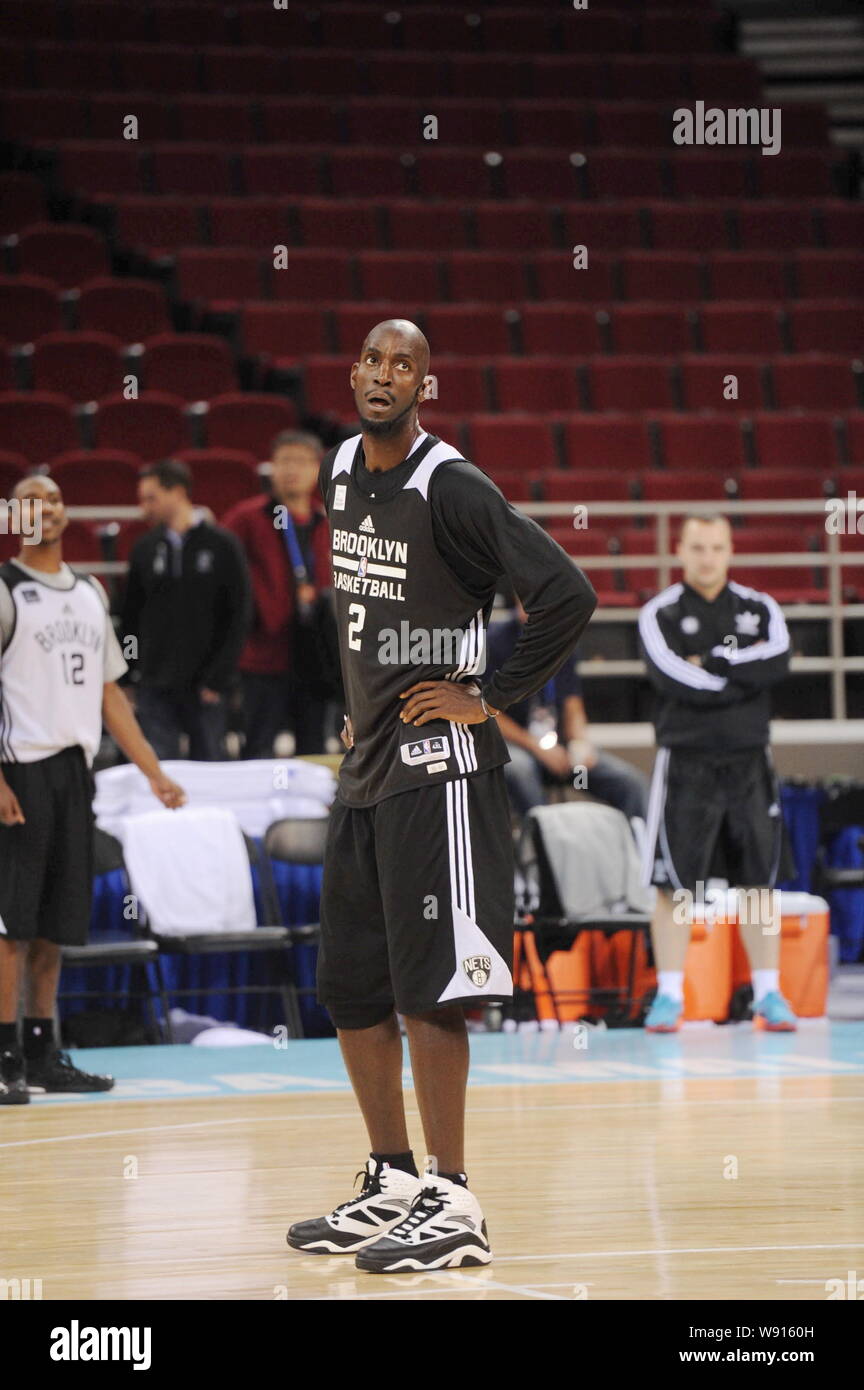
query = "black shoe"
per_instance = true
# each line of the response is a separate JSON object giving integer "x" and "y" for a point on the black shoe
{"x": 13, "y": 1085}
{"x": 55, "y": 1072}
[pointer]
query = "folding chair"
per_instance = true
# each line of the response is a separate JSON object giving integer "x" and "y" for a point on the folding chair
{"x": 558, "y": 907}
{"x": 298, "y": 841}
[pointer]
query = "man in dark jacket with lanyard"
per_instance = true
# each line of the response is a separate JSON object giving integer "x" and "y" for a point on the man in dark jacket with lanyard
{"x": 417, "y": 897}
{"x": 286, "y": 541}
{"x": 714, "y": 649}
{"x": 187, "y": 606}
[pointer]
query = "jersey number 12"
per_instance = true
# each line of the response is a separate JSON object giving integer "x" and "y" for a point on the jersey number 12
{"x": 73, "y": 668}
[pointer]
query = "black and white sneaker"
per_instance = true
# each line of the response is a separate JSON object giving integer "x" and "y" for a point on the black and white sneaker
{"x": 444, "y": 1229}
{"x": 57, "y": 1072}
{"x": 383, "y": 1201}
{"x": 13, "y": 1084}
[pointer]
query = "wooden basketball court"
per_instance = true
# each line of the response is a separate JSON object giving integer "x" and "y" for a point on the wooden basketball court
{"x": 680, "y": 1188}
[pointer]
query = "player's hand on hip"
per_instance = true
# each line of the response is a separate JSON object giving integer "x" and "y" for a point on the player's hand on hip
{"x": 168, "y": 792}
{"x": 442, "y": 700}
{"x": 10, "y": 807}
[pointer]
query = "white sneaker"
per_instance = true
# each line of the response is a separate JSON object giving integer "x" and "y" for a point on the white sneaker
{"x": 383, "y": 1201}
{"x": 444, "y": 1229}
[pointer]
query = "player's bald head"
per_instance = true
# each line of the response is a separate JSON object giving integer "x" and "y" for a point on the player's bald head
{"x": 400, "y": 335}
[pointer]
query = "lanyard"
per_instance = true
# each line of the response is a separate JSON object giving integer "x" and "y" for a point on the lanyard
{"x": 295, "y": 555}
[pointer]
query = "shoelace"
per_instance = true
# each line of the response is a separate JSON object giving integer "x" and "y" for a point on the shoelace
{"x": 426, "y": 1204}
{"x": 364, "y": 1191}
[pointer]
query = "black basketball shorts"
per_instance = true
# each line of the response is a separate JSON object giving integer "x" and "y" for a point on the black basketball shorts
{"x": 715, "y": 816}
{"x": 46, "y": 865}
{"x": 417, "y": 902}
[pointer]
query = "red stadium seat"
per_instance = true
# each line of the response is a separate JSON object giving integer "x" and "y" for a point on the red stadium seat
{"x": 326, "y": 386}
{"x": 582, "y": 485}
{"x": 516, "y": 487}
{"x": 353, "y": 322}
{"x": 151, "y": 67}
{"x": 220, "y": 275}
{"x": 67, "y": 254}
{"x": 86, "y": 66}
{"x": 416, "y": 226}
{"x": 387, "y": 121}
{"x": 12, "y": 468}
{"x": 855, "y": 439}
{"x": 745, "y": 327}
{"x": 461, "y": 384}
{"x": 315, "y": 275}
{"x": 704, "y": 380}
{"x": 644, "y": 79}
{"x": 97, "y": 477}
{"x": 29, "y": 307}
{"x": 829, "y": 274}
{"x": 670, "y": 31}
{"x": 541, "y": 174}
{"x": 630, "y": 124}
{"x": 82, "y": 366}
{"x": 451, "y": 174}
{"x": 152, "y": 426}
{"x": 805, "y": 124}
{"x": 556, "y": 277}
{"x": 22, "y": 201}
{"x": 577, "y": 541}
{"x": 538, "y": 383}
{"x": 756, "y": 483}
{"x": 130, "y": 309}
{"x": 843, "y": 224}
{"x": 81, "y": 543}
{"x": 509, "y": 444}
{"x": 637, "y": 578}
{"x": 553, "y": 124}
{"x": 704, "y": 441}
{"x": 250, "y": 222}
{"x": 686, "y": 484}
{"x": 827, "y": 325}
{"x": 427, "y": 27}
{"x": 100, "y": 166}
{"x": 8, "y": 380}
{"x": 747, "y": 275}
{"x": 282, "y": 170}
{"x": 196, "y": 170}
{"x": 640, "y": 328}
{"x": 399, "y": 274}
{"x": 661, "y": 275}
{"x": 626, "y": 173}
{"x": 222, "y": 477}
{"x": 615, "y": 226}
{"x": 520, "y": 30}
{"x": 560, "y": 328}
{"x": 347, "y": 224}
{"x": 245, "y": 420}
{"x": 414, "y": 75}
{"x": 357, "y": 26}
{"x": 705, "y": 173}
{"x": 108, "y": 112}
{"x": 631, "y": 383}
{"x": 192, "y": 365}
{"x": 370, "y": 173}
{"x": 488, "y": 75}
{"x": 36, "y": 117}
{"x": 795, "y": 441}
{"x": 511, "y": 226}
{"x": 157, "y": 225}
{"x": 796, "y": 173}
{"x": 447, "y": 427}
{"x": 692, "y": 227}
{"x": 814, "y": 381}
{"x": 307, "y": 120}
{"x": 486, "y": 275}
{"x": 245, "y": 70}
{"x": 187, "y": 23}
{"x": 37, "y": 424}
{"x": 618, "y": 443}
{"x": 19, "y": 20}
{"x": 282, "y": 330}
{"x": 774, "y": 226}
{"x": 467, "y": 328}
{"x": 721, "y": 80}
{"x": 565, "y": 76}
{"x": 266, "y": 26}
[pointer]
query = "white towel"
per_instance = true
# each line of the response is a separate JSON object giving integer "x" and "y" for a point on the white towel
{"x": 190, "y": 870}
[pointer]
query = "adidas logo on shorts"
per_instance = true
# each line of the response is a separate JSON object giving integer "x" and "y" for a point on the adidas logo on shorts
{"x": 366, "y": 525}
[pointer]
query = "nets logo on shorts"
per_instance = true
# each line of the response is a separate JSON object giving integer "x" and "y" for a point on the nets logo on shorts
{"x": 478, "y": 969}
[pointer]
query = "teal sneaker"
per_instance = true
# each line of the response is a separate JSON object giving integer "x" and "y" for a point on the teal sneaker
{"x": 774, "y": 1014}
{"x": 664, "y": 1016}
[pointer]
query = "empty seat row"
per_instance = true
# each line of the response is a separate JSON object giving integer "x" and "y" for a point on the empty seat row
{"x": 87, "y": 366}
{"x": 93, "y": 169}
{"x": 39, "y": 425}
{"x": 28, "y": 117}
{"x": 449, "y": 29}
{"x": 136, "y": 67}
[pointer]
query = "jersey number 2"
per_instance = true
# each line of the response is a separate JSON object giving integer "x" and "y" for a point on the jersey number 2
{"x": 357, "y": 615}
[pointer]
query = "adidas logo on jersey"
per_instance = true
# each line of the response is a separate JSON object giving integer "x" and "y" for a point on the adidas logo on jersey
{"x": 366, "y": 525}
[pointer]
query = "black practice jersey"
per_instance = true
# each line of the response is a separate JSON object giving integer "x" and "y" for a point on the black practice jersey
{"x": 408, "y": 612}
{"x": 722, "y": 703}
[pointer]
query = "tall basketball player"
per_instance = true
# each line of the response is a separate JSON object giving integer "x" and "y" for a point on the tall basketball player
{"x": 59, "y": 661}
{"x": 417, "y": 897}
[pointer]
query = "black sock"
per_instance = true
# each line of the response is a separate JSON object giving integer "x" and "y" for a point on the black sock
{"x": 38, "y": 1036}
{"x": 8, "y": 1037}
{"x": 461, "y": 1179}
{"x": 404, "y": 1161}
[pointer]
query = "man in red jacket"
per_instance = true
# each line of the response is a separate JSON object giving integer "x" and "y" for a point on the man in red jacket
{"x": 286, "y": 541}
